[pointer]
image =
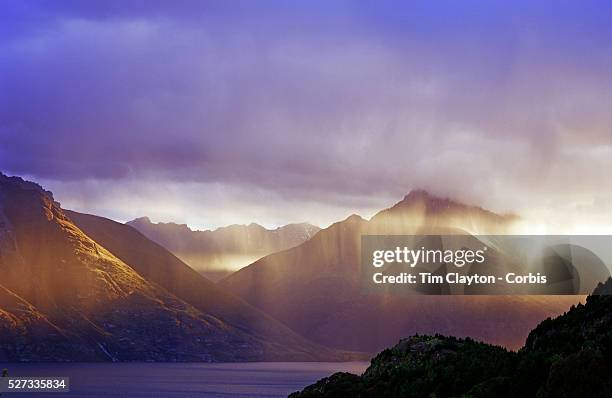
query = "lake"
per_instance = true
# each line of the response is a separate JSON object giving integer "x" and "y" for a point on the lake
{"x": 182, "y": 380}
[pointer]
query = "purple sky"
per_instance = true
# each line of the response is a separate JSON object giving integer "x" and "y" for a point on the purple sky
{"x": 216, "y": 112}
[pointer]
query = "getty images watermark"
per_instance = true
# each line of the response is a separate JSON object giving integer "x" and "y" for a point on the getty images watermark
{"x": 484, "y": 265}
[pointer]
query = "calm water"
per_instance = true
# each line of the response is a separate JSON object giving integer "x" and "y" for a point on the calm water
{"x": 183, "y": 380}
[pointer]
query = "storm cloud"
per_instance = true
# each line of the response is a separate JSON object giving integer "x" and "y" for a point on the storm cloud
{"x": 313, "y": 108}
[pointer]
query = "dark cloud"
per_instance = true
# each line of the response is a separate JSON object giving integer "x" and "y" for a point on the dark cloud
{"x": 339, "y": 99}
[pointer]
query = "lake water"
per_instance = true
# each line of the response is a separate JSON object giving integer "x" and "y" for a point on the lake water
{"x": 182, "y": 380}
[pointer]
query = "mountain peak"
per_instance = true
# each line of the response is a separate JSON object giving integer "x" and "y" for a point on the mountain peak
{"x": 418, "y": 194}
{"x": 431, "y": 202}
{"x": 145, "y": 222}
{"x": 354, "y": 218}
{"x": 420, "y": 207}
{"x": 141, "y": 220}
{"x": 20, "y": 183}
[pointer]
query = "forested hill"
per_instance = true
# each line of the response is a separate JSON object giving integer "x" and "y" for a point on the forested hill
{"x": 569, "y": 356}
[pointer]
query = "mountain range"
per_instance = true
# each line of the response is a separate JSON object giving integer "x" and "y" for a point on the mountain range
{"x": 315, "y": 287}
{"x": 82, "y": 287}
{"x": 217, "y": 253}
{"x": 115, "y": 295}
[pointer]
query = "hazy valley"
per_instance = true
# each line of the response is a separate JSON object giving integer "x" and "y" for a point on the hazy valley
{"x": 217, "y": 253}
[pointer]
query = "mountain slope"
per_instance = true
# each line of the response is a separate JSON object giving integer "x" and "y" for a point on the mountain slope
{"x": 225, "y": 249}
{"x": 58, "y": 284}
{"x": 26, "y": 333}
{"x": 158, "y": 265}
{"x": 315, "y": 289}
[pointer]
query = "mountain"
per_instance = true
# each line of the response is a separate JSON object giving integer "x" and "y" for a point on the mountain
{"x": 64, "y": 297}
{"x": 315, "y": 288}
{"x": 569, "y": 356}
{"x": 224, "y": 250}
{"x": 158, "y": 265}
